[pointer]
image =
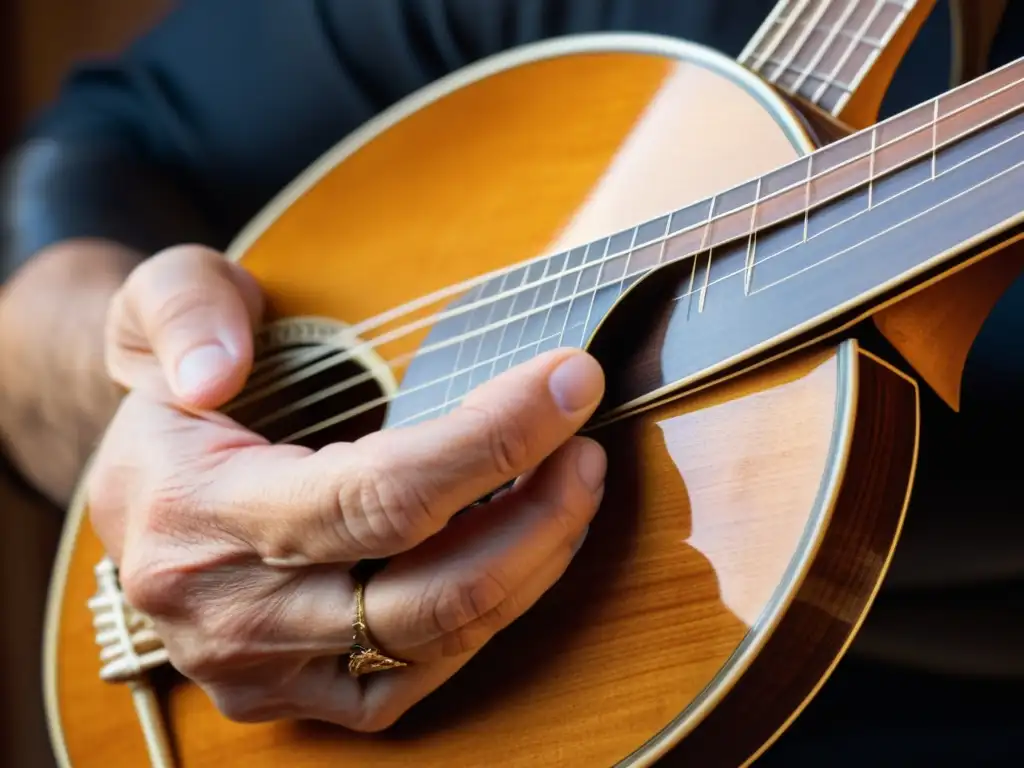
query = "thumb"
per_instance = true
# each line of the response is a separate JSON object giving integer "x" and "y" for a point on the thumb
{"x": 391, "y": 490}
{"x": 185, "y": 319}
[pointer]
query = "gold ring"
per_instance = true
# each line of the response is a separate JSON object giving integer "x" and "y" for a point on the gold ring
{"x": 363, "y": 657}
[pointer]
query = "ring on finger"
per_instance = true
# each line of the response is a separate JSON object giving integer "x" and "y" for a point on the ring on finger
{"x": 364, "y": 658}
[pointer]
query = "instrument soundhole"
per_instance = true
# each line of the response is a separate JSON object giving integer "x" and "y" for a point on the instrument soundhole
{"x": 309, "y": 386}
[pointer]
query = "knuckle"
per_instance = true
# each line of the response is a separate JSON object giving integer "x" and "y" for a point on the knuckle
{"x": 153, "y": 586}
{"x": 475, "y": 635}
{"x": 229, "y": 628}
{"x": 158, "y": 576}
{"x": 221, "y": 630}
{"x": 507, "y": 439}
{"x": 568, "y": 512}
{"x": 174, "y": 284}
{"x": 176, "y": 306}
{"x": 192, "y": 661}
{"x": 378, "y": 511}
{"x": 193, "y": 258}
{"x": 465, "y": 614}
{"x": 246, "y": 706}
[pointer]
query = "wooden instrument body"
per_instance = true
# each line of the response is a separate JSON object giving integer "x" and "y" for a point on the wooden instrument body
{"x": 745, "y": 527}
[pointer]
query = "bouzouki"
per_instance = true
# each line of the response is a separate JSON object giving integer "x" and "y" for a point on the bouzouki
{"x": 669, "y": 209}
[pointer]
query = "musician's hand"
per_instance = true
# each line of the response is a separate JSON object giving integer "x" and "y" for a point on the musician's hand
{"x": 240, "y": 550}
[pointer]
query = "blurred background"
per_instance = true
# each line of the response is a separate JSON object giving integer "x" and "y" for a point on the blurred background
{"x": 40, "y": 40}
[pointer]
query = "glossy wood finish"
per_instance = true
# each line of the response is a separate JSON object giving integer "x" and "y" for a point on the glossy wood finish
{"x": 626, "y": 125}
{"x": 717, "y": 501}
{"x": 848, "y": 566}
{"x": 818, "y": 242}
{"x": 713, "y": 499}
{"x": 837, "y": 261}
{"x": 829, "y": 58}
{"x": 934, "y": 329}
{"x": 513, "y": 182}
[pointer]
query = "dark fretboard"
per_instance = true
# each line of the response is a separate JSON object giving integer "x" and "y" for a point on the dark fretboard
{"x": 765, "y": 259}
{"x": 822, "y": 50}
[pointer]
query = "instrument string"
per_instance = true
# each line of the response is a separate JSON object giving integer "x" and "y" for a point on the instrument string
{"x": 785, "y": 26}
{"x": 781, "y": 30}
{"x": 311, "y": 362}
{"x": 858, "y": 38}
{"x": 383, "y": 400}
{"x": 466, "y": 328}
{"x": 763, "y": 48}
{"x": 802, "y": 38}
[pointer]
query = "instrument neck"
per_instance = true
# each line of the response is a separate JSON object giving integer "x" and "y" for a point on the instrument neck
{"x": 754, "y": 269}
{"x": 834, "y": 53}
{"x": 827, "y": 236}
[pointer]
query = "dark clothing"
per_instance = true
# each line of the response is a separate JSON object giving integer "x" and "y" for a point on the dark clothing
{"x": 188, "y": 133}
{"x": 200, "y": 122}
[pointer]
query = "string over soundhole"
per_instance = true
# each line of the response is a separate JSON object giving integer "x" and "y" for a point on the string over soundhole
{"x": 313, "y": 383}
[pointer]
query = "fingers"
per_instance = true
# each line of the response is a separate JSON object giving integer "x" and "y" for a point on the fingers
{"x": 437, "y": 606}
{"x": 394, "y": 489}
{"x": 443, "y": 600}
{"x": 257, "y": 638}
{"x": 376, "y": 702}
{"x": 387, "y": 697}
{"x": 282, "y": 618}
{"x": 455, "y": 591}
{"x": 183, "y": 322}
{"x": 502, "y": 430}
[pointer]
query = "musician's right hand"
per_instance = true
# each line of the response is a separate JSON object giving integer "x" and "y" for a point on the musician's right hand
{"x": 240, "y": 550}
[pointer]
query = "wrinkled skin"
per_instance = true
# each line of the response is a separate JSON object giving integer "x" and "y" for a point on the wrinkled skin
{"x": 241, "y": 550}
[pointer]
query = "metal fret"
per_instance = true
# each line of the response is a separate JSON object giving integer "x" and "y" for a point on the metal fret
{"x": 798, "y": 42}
{"x": 801, "y": 41}
{"x": 748, "y": 272}
{"x": 758, "y": 38}
{"x": 836, "y": 30}
{"x": 804, "y": 73}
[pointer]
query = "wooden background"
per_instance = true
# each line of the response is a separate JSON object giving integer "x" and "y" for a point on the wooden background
{"x": 39, "y": 41}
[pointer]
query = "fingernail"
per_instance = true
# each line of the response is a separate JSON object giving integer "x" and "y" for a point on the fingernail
{"x": 203, "y": 366}
{"x": 580, "y": 540}
{"x": 576, "y": 383}
{"x": 292, "y": 561}
{"x": 591, "y": 464}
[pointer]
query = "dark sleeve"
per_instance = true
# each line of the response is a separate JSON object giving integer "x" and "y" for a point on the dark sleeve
{"x": 189, "y": 132}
